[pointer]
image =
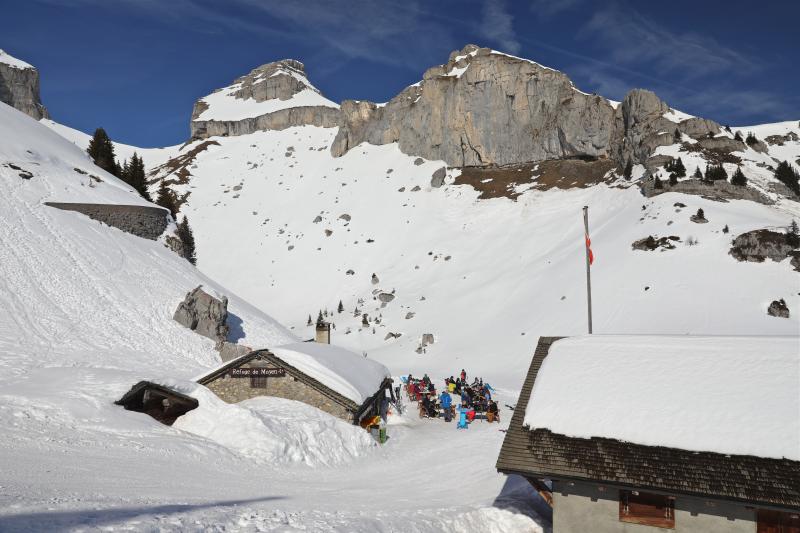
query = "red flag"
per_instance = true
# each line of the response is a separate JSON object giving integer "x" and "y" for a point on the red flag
{"x": 589, "y": 248}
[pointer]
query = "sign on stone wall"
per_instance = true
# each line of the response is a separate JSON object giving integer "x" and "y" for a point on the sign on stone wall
{"x": 257, "y": 372}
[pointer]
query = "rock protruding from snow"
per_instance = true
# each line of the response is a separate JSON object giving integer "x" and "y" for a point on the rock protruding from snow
{"x": 204, "y": 314}
{"x": 19, "y": 86}
{"x": 778, "y": 308}
{"x": 274, "y": 96}
{"x": 437, "y": 179}
{"x": 758, "y": 245}
{"x": 651, "y": 243}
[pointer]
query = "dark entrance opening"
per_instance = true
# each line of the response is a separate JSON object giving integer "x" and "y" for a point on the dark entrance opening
{"x": 161, "y": 403}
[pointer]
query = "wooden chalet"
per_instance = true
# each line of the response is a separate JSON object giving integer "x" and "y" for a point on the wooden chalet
{"x": 605, "y": 485}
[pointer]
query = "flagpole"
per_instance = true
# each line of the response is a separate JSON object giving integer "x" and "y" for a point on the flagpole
{"x": 588, "y": 265}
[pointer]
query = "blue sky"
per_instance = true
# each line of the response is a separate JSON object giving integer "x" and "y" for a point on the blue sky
{"x": 135, "y": 67}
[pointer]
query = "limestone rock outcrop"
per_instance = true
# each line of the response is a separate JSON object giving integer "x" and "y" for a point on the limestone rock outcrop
{"x": 204, "y": 314}
{"x": 485, "y": 108}
{"x": 19, "y": 86}
{"x": 282, "y": 85}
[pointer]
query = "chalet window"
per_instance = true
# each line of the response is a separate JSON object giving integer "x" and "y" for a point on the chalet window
{"x": 777, "y": 522}
{"x": 647, "y": 509}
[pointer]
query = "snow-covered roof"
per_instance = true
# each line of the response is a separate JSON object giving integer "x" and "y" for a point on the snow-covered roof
{"x": 8, "y": 59}
{"x": 731, "y": 395}
{"x": 353, "y": 376}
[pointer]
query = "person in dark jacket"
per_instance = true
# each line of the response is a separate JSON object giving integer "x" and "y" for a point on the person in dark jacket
{"x": 492, "y": 413}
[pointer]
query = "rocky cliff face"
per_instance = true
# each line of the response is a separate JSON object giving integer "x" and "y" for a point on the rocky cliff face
{"x": 485, "y": 108}
{"x": 482, "y": 108}
{"x": 274, "y": 96}
{"x": 19, "y": 86}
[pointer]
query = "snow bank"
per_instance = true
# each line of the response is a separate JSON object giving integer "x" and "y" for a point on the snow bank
{"x": 8, "y": 59}
{"x": 351, "y": 375}
{"x": 276, "y": 430}
{"x": 732, "y": 395}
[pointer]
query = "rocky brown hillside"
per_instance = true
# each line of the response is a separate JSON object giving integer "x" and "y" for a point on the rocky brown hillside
{"x": 19, "y": 86}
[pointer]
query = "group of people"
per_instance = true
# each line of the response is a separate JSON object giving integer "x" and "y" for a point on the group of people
{"x": 474, "y": 398}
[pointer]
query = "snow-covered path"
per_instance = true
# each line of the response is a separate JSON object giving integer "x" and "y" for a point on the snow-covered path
{"x": 428, "y": 477}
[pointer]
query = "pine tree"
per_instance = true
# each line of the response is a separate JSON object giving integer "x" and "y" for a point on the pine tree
{"x": 716, "y": 172}
{"x": 309, "y": 321}
{"x": 134, "y": 175}
{"x": 725, "y": 229}
{"x": 788, "y": 176}
{"x": 739, "y": 178}
{"x": 738, "y": 136}
{"x": 793, "y": 235}
{"x": 698, "y": 174}
{"x": 320, "y": 320}
{"x": 186, "y": 236}
{"x": 340, "y": 308}
{"x": 673, "y": 179}
{"x": 677, "y": 135}
{"x": 700, "y": 214}
{"x": 166, "y": 199}
{"x": 679, "y": 169}
{"x": 657, "y": 183}
{"x": 365, "y": 320}
{"x": 628, "y": 172}
{"x": 101, "y": 150}
{"x": 751, "y": 139}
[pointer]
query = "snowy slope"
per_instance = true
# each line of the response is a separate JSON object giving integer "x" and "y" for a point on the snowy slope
{"x": 8, "y": 59}
{"x": 718, "y": 394}
{"x": 486, "y": 277}
{"x": 152, "y": 157}
{"x": 88, "y": 312}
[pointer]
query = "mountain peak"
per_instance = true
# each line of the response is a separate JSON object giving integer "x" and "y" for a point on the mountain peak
{"x": 266, "y": 89}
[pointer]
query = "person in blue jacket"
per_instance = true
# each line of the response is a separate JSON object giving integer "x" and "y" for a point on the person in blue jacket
{"x": 462, "y": 416}
{"x": 446, "y": 401}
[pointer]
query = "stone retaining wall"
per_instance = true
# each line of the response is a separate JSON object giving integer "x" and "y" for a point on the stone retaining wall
{"x": 143, "y": 221}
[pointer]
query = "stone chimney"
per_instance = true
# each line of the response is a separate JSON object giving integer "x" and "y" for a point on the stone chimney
{"x": 323, "y": 332}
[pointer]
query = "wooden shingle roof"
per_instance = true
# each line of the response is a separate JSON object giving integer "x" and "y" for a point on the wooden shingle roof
{"x": 543, "y": 454}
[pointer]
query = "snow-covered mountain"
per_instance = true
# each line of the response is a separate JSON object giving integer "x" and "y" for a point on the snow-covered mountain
{"x": 293, "y": 220}
{"x": 88, "y": 312}
{"x": 488, "y": 258}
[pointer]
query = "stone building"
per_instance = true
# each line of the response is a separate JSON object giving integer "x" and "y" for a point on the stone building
{"x": 331, "y": 379}
{"x": 594, "y": 480}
